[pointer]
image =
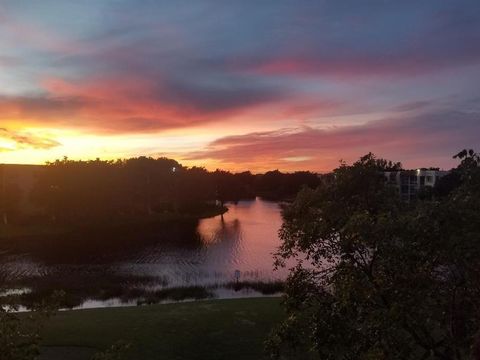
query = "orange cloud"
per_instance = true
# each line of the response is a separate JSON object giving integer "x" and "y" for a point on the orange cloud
{"x": 132, "y": 104}
{"x": 22, "y": 140}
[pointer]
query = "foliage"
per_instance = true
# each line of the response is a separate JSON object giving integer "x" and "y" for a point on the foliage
{"x": 9, "y": 197}
{"x": 20, "y": 333}
{"x": 18, "y": 339}
{"x": 115, "y": 352}
{"x": 87, "y": 192}
{"x": 276, "y": 185}
{"x": 378, "y": 278}
{"x": 76, "y": 191}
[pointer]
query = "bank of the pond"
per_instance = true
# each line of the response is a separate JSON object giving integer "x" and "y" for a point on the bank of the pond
{"x": 84, "y": 294}
{"x": 37, "y": 231}
{"x": 218, "y": 329}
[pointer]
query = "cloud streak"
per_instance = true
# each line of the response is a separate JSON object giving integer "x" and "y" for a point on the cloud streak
{"x": 415, "y": 140}
{"x": 135, "y": 105}
{"x": 25, "y": 140}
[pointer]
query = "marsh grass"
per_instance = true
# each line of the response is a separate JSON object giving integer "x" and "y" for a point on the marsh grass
{"x": 140, "y": 290}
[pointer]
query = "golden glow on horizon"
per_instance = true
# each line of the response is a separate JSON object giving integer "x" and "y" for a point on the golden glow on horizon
{"x": 23, "y": 143}
{"x": 173, "y": 143}
{"x": 83, "y": 146}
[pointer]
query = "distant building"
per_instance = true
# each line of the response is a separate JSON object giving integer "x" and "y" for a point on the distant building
{"x": 410, "y": 182}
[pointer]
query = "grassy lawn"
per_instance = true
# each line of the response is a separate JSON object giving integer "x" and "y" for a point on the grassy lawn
{"x": 218, "y": 329}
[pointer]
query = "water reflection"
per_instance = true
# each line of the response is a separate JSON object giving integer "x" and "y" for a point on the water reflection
{"x": 243, "y": 239}
{"x": 202, "y": 253}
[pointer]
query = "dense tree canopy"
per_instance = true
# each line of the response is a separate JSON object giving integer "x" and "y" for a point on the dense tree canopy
{"x": 69, "y": 191}
{"x": 378, "y": 278}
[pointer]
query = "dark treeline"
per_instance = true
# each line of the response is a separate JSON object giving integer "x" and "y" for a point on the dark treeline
{"x": 67, "y": 191}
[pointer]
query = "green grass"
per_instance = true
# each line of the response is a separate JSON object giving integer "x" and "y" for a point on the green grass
{"x": 218, "y": 329}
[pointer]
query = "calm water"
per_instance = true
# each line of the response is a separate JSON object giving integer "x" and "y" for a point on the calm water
{"x": 244, "y": 239}
{"x": 208, "y": 252}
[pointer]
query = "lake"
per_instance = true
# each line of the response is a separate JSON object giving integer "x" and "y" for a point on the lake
{"x": 235, "y": 248}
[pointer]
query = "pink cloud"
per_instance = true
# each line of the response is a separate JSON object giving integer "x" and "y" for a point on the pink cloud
{"x": 409, "y": 62}
{"x": 108, "y": 104}
{"x": 436, "y": 136}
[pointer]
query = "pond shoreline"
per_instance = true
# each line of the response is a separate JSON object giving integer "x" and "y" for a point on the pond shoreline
{"x": 42, "y": 231}
{"x": 24, "y": 299}
{"x": 172, "y": 302}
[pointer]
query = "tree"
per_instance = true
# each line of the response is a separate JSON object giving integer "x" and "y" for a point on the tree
{"x": 18, "y": 339}
{"x": 20, "y": 334}
{"x": 279, "y": 186}
{"x": 378, "y": 278}
{"x": 9, "y": 197}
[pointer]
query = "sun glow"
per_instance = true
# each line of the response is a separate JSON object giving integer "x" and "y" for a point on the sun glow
{"x": 25, "y": 146}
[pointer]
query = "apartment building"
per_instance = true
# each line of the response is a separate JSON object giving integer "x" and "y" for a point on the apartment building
{"x": 410, "y": 182}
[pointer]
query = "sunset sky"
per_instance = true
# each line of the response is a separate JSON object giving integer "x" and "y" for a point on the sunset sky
{"x": 246, "y": 84}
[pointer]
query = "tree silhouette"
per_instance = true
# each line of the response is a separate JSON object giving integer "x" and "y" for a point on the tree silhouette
{"x": 381, "y": 279}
